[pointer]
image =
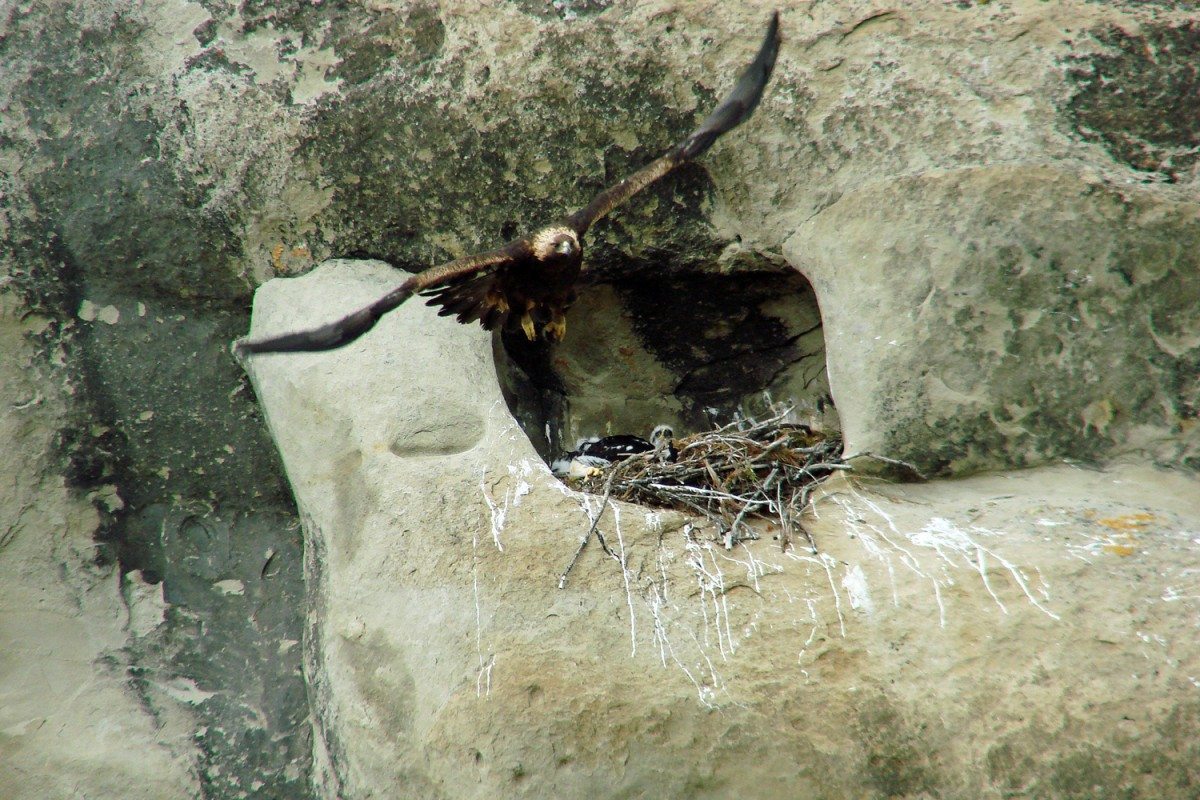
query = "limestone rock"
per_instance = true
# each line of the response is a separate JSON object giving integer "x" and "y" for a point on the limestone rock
{"x": 989, "y": 335}
{"x": 1005, "y": 191}
{"x": 1024, "y": 633}
{"x": 72, "y": 721}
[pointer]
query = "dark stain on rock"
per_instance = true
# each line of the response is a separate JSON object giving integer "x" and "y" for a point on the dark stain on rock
{"x": 897, "y": 760}
{"x": 1139, "y": 96}
{"x": 232, "y": 631}
{"x": 390, "y": 40}
{"x": 1116, "y": 768}
{"x": 162, "y": 434}
{"x": 714, "y": 332}
{"x": 110, "y": 179}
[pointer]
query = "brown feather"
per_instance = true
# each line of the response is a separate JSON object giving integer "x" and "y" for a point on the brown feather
{"x": 617, "y": 194}
{"x": 454, "y": 303}
{"x": 494, "y": 318}
{"x": 469, "y": 266}
{"x": 467, "y": 297}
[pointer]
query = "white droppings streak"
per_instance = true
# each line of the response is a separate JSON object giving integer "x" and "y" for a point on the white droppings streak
{"x": 712, "y": 589}
{"x": 857, "y": 590}
{"x": 948, "y": 540}
{"x": 483, "y": 677}
{"x": 625, "y": 577}
{"x": 828, "y": 562}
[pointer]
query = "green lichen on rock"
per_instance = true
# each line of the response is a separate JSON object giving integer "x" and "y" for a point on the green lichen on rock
{"x": 113, "y": 204}
{"x": 897, "y": 762}
{"x": 1008, "y": 334}
{"x": 418, "y": 178}
{"x": 1097, "y": 767}
{"x": 401, "y": 39}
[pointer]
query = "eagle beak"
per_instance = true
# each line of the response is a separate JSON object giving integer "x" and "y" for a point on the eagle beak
{"x": 565, "y": 247}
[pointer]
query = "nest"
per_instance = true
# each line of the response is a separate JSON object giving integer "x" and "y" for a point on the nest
{"x": 745, "y": 472}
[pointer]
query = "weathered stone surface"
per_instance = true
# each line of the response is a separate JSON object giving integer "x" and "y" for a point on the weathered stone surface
{"x": 957, "y": 178}
{"x": 1030, "y": 633}
{"x": 1013, "y": 260}
{"x": 1047, "y": 316}
{"x": 72, "y": 721}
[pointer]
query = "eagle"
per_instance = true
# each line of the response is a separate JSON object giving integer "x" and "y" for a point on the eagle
{"x": 530, "y": 282}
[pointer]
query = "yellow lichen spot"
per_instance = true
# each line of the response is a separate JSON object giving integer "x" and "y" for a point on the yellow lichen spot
{"x": 277, "y": 257}
{"x": 1128, "y": 523}
{"x": 286, "y": 260}
{"x": 1124, "y": 530}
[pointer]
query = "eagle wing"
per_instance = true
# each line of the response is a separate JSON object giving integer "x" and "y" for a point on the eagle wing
{"x": 477, "y": 267}
{"x": 473, "y": 288}
{"x": 735, "y": 108}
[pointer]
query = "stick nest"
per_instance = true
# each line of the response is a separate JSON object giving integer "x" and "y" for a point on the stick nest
{"x": 743, "y": 472}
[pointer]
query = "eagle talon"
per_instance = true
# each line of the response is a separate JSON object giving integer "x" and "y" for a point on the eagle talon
{"x": 555, "y": 330}
{"x": 527, "y": 326}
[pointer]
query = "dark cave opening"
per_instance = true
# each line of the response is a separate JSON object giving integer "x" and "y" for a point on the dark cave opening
{"x": 692, "y": 350}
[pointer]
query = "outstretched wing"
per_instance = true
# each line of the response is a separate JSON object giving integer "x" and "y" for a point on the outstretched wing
{"x": 475, "y": 293}
{"x": 348, "y": 328}
{"x": 470, "y": 287}
{"x": 735, "y": 108}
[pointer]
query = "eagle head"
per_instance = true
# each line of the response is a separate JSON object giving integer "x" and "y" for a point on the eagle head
{"x": 556, "y": 243}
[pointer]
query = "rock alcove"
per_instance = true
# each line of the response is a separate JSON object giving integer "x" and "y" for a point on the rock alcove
{"x": 690, "y": 349}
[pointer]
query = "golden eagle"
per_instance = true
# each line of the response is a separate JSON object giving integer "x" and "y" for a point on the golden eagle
{"x": 530, "y": 282}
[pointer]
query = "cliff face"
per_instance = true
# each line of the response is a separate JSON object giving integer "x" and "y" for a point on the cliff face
{"x": 1023, "y": 632}
{"x": 968, "y": 233}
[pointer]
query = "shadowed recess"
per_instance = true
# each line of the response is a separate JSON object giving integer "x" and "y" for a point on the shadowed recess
{"x": 692, "y": 350}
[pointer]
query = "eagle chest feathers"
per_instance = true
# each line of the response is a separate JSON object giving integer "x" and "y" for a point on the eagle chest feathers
{"x": 548, "y": 276}
{"x": 532, "y": 290}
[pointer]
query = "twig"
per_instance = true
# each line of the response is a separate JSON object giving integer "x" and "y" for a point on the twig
{"x": 895, "y": 462}
{"x": 748, "y": 468}
{"x": 608, "y": 485}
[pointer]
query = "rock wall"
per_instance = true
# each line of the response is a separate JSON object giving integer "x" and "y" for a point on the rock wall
{"x": 993, "y": 206}
{"x": 73, "y": 720}
{"x": 1027, "y": 634}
